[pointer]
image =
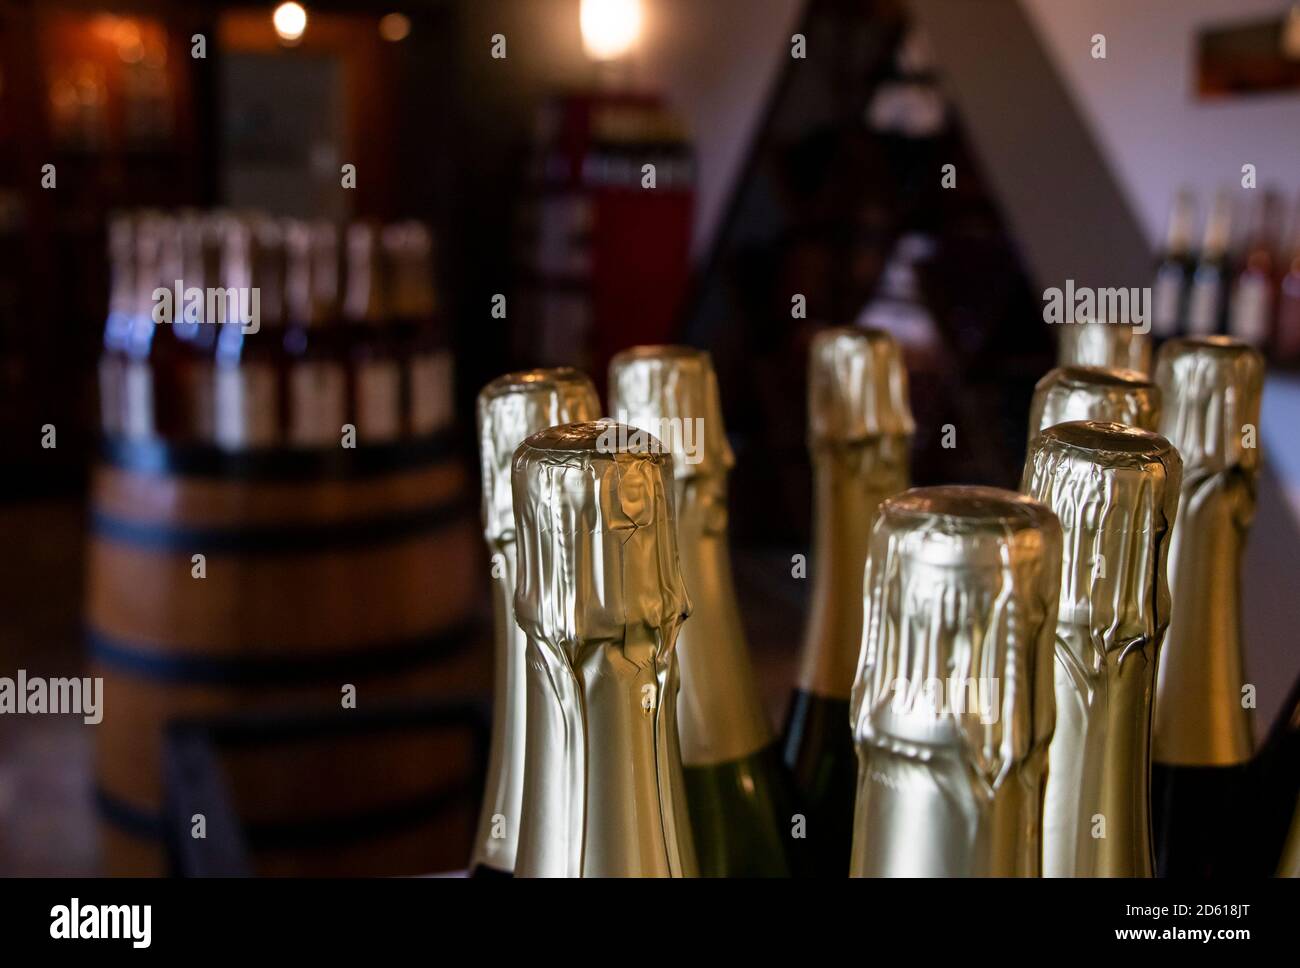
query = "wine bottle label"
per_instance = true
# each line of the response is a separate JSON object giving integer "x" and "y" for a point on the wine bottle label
{"x": 431, "y": 392}
{"x": 317, "y": 403}
{"x": 1203, "y": 306}
{"x": 137, "y": 401}
{"x": 1251, "y": 305}
{"x": 110, "y": 395}
{"x": 247, "y": 412}
{"x": 1166, "y": 297}
{"x": 379, "y": 400}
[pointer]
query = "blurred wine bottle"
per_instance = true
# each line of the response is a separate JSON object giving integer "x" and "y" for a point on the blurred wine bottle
{"x": 428, "y": 372}
{"x": 1171, "y": 289}
{"x": 1207, "y": 306}
{"x": 952, "y": 703}
{"x": 736, "y": 784}
{"x": 374, "y": 346}
{"x": 1286, "y": 334}
{"x": 246, "y": 389}
{"x": 117, "y": 327}
{"x": 511, "y": 408}
{"x": 1114, "y": 490}
{"x": 1091, "y": 393}
{"x": 1202, "y": 742}
{"x": 1254, "y": 291}
{"x": 600, "y": 597}
{"x": 859, "y": 434}
{"x": 1116, "y": 346}
{"x": 316, "y": 374}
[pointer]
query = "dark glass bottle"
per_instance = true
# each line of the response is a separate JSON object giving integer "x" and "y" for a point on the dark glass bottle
{"x": 859, "y": 429}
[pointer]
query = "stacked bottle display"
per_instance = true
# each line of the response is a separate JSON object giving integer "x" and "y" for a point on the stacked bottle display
{"x": 1033, "y": 683}
{"x": 1239, "y": 275}
{"x": 245, "y": 331}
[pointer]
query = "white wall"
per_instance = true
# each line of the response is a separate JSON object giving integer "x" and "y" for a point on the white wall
{"x": 1141, "y": 106}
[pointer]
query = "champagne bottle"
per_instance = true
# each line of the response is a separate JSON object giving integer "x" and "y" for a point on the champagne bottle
{"x": 1114, "y": 490}
{"x": 1112, "y": 345}
{"x": 859, "y": 429}
{"x": 1274, "y": 792}
{"x": 600, "y": 597}
{"x": 1208, "y": 300}
{"x": 1169, "y": 292}
{"x": 511, "y": 408}
{"x": 962, "y": 583}
{"x": 1202, "y": 741}
{"x": 1091, "y": 393}
{"x": 735, "y": 781}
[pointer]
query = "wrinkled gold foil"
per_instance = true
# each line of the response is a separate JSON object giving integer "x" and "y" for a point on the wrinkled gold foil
{"x": 1212, "y": 388}
{"x": 601, "y": 598}
{"x": 511, "y": 408}
{"x": 1114, "y": 489}
{"x": 859, "y": 435}
{"x": 1094, "y": 393}
{"x": 962, "y": 587}
{"x": 1114, "y": 346}
{"x": 672, "y": 392}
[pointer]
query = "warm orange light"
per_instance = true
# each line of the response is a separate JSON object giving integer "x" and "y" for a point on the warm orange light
{"x": 289, "y": 21}
{"x": 394, "y": 27}
{"x": 609, "y": 27}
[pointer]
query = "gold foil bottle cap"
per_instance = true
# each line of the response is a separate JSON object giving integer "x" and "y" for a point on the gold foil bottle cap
{"x": 597, "y": 539}
{"x": 672, "y": 393}
{"x": 953, "y": 705}
{"x": 1113, "y": 345}
{"x": 1114, "y": 489}
{"x": 961, "y": 582}
{"x": 857, "y": 386}
{"x": 1094, "y": 393}
{"x": 511, "y": 408}
{"x": 1212, "y": 387}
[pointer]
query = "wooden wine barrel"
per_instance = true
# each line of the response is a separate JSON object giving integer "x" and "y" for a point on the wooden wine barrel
{"x": 321, "y": 570}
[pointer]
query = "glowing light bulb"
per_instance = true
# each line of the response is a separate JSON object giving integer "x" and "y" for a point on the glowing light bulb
{"x": 609, "y": 27}
{"x": 289, "y": 21}
{"x": 394, "y": 27}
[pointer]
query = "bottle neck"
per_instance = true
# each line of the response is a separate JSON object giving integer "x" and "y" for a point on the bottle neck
{"x": 720, "y": 713}
{"x": 1200, "y": 719}
{"x": 497, "y": 838}
{"x": 850, "y": 481}
{"x": 604, "y": 794}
